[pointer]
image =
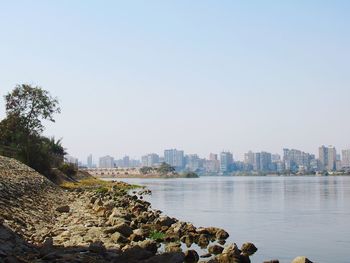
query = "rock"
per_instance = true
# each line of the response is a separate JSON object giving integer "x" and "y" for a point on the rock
{"x": 244, "y": 258}
{"x": 202, "y": 230}
{"x": 165, "y": 221}
{"x": 173, "y": 247}
{"x": 124, "y": 229}
{"x": 231, "y": 249}
{"x": 215, "y": 249}
{"x": 301, "y": 259}
{"x": 119, "y": 238}
{"x": 203, "y": 241}
{"x": 63, "y": 209}
{"x": 97, "y": 247}
{"x": 149, "y": 245}
{"x": 47, "y": 246}
{"x": 230, "y": 254}
{"x": 175, "y": 257}
{"x": 171, "y": 237}
{"x": 221, "y": 234}
{"x": 134, "y": 254}
{"x": 191, "y": 256}
{"x": 248, "y": 248}
{"x": 187, "y": 239}
{"x": 93, "y": 199}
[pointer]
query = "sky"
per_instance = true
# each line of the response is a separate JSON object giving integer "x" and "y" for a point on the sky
{"x": 135, "y": 77}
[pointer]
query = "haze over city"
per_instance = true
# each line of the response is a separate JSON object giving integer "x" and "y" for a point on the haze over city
{"x": 140, "y": 77}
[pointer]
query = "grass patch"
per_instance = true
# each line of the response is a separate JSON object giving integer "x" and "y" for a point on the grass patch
{"x": 100, "y": 185}
{"x": 101, "y": 190}
{"x": 156, "y": 235}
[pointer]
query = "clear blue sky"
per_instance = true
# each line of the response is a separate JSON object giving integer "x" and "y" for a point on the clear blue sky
{"x": 139, "y": 76}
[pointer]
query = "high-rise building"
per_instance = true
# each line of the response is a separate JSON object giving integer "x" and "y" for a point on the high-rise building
{"x": 294, "y": 158}
{"x": 275, "y": 157}
{"x": 89, "y": 161}
{"x": 256, "y": 162}
{"x": 213, "y": 157}
{"x": 212, "y": 165}
{"x": 126, "y": 161}
{"x": 345, "y": 161}
{"x": 150, "y": 159}
{"x": 249, "y": 158}
{"x": 265, "y": 161}
{"x": 260, "y": 161}
{"x": 175, "y": 158}
{"x": 106, "y": 162}
{"x": 226, "y": 161}
{"x": 193, "y": 162}
{"x": 327, "y": 157}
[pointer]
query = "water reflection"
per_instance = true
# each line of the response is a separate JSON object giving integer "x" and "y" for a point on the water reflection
{"x": 283, "y": 216}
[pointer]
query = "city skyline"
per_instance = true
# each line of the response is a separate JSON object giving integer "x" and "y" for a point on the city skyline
{"x": 291, "y": 160}
{"x": 235, "y": 155}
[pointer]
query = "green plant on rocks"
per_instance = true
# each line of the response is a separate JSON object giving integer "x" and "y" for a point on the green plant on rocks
{"x": 101, "y": 190}
{"x": 156, "y": 235}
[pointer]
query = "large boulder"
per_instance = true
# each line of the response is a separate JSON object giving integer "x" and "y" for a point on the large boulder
{"x": 119, "y": 238}
{"x": 97, "y": 247}
{"x": 221, "y": 234}
{"x": 230, "y": 254}
{"x": 175, "y": 257}
{"x": 248, "y": 249}
{"x": 123, "y": 229}
{"x": 134, "y": 254}
{"x": 301, "y": 259}
{"x": 165, "y": 221}
{"x": 149, "y": 245}
{"x": 203, "y": 241}
{"x": 215, "y": 249}
{"x": 191, "y": 256}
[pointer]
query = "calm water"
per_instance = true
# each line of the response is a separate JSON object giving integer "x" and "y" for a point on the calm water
{"x": 283, "y": 216}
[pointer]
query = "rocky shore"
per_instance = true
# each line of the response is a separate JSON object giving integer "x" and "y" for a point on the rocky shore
{"x": 42, "y": 222}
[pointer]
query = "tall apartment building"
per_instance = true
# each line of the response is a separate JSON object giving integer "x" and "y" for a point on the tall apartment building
{"x": 106, "y": 162}
{"x": 126, "y": 161}
{"x": 193, "y": 162}
{"x": 294, "y": 159}
{"x": 89, "y": 161}
{"x": 213, "y": 157}
{"x": 175, "y": 158}
{"x": 345, "y": 161}
{"x": 226, "y": 161}
{"x": 260, "y": 161}
{"x": 150, "y": 159}
{"x": 327, "y": 157}
{"x": 265, "y": 161}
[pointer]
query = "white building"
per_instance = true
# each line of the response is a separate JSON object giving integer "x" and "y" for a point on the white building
{"x": 106, "y": 162}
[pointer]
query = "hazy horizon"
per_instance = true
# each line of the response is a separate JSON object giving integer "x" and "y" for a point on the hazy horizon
{"x": 139, "y": 77}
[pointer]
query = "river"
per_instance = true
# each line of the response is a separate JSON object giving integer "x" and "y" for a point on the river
{"x": 284, "y": 217}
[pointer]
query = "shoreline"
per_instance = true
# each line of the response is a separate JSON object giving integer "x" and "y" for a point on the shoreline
{"x": 92, "y": 220}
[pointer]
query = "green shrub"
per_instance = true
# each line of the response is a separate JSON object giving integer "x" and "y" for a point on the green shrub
{"x": 68, "y": 169}
{"x": 156, "y": 235}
